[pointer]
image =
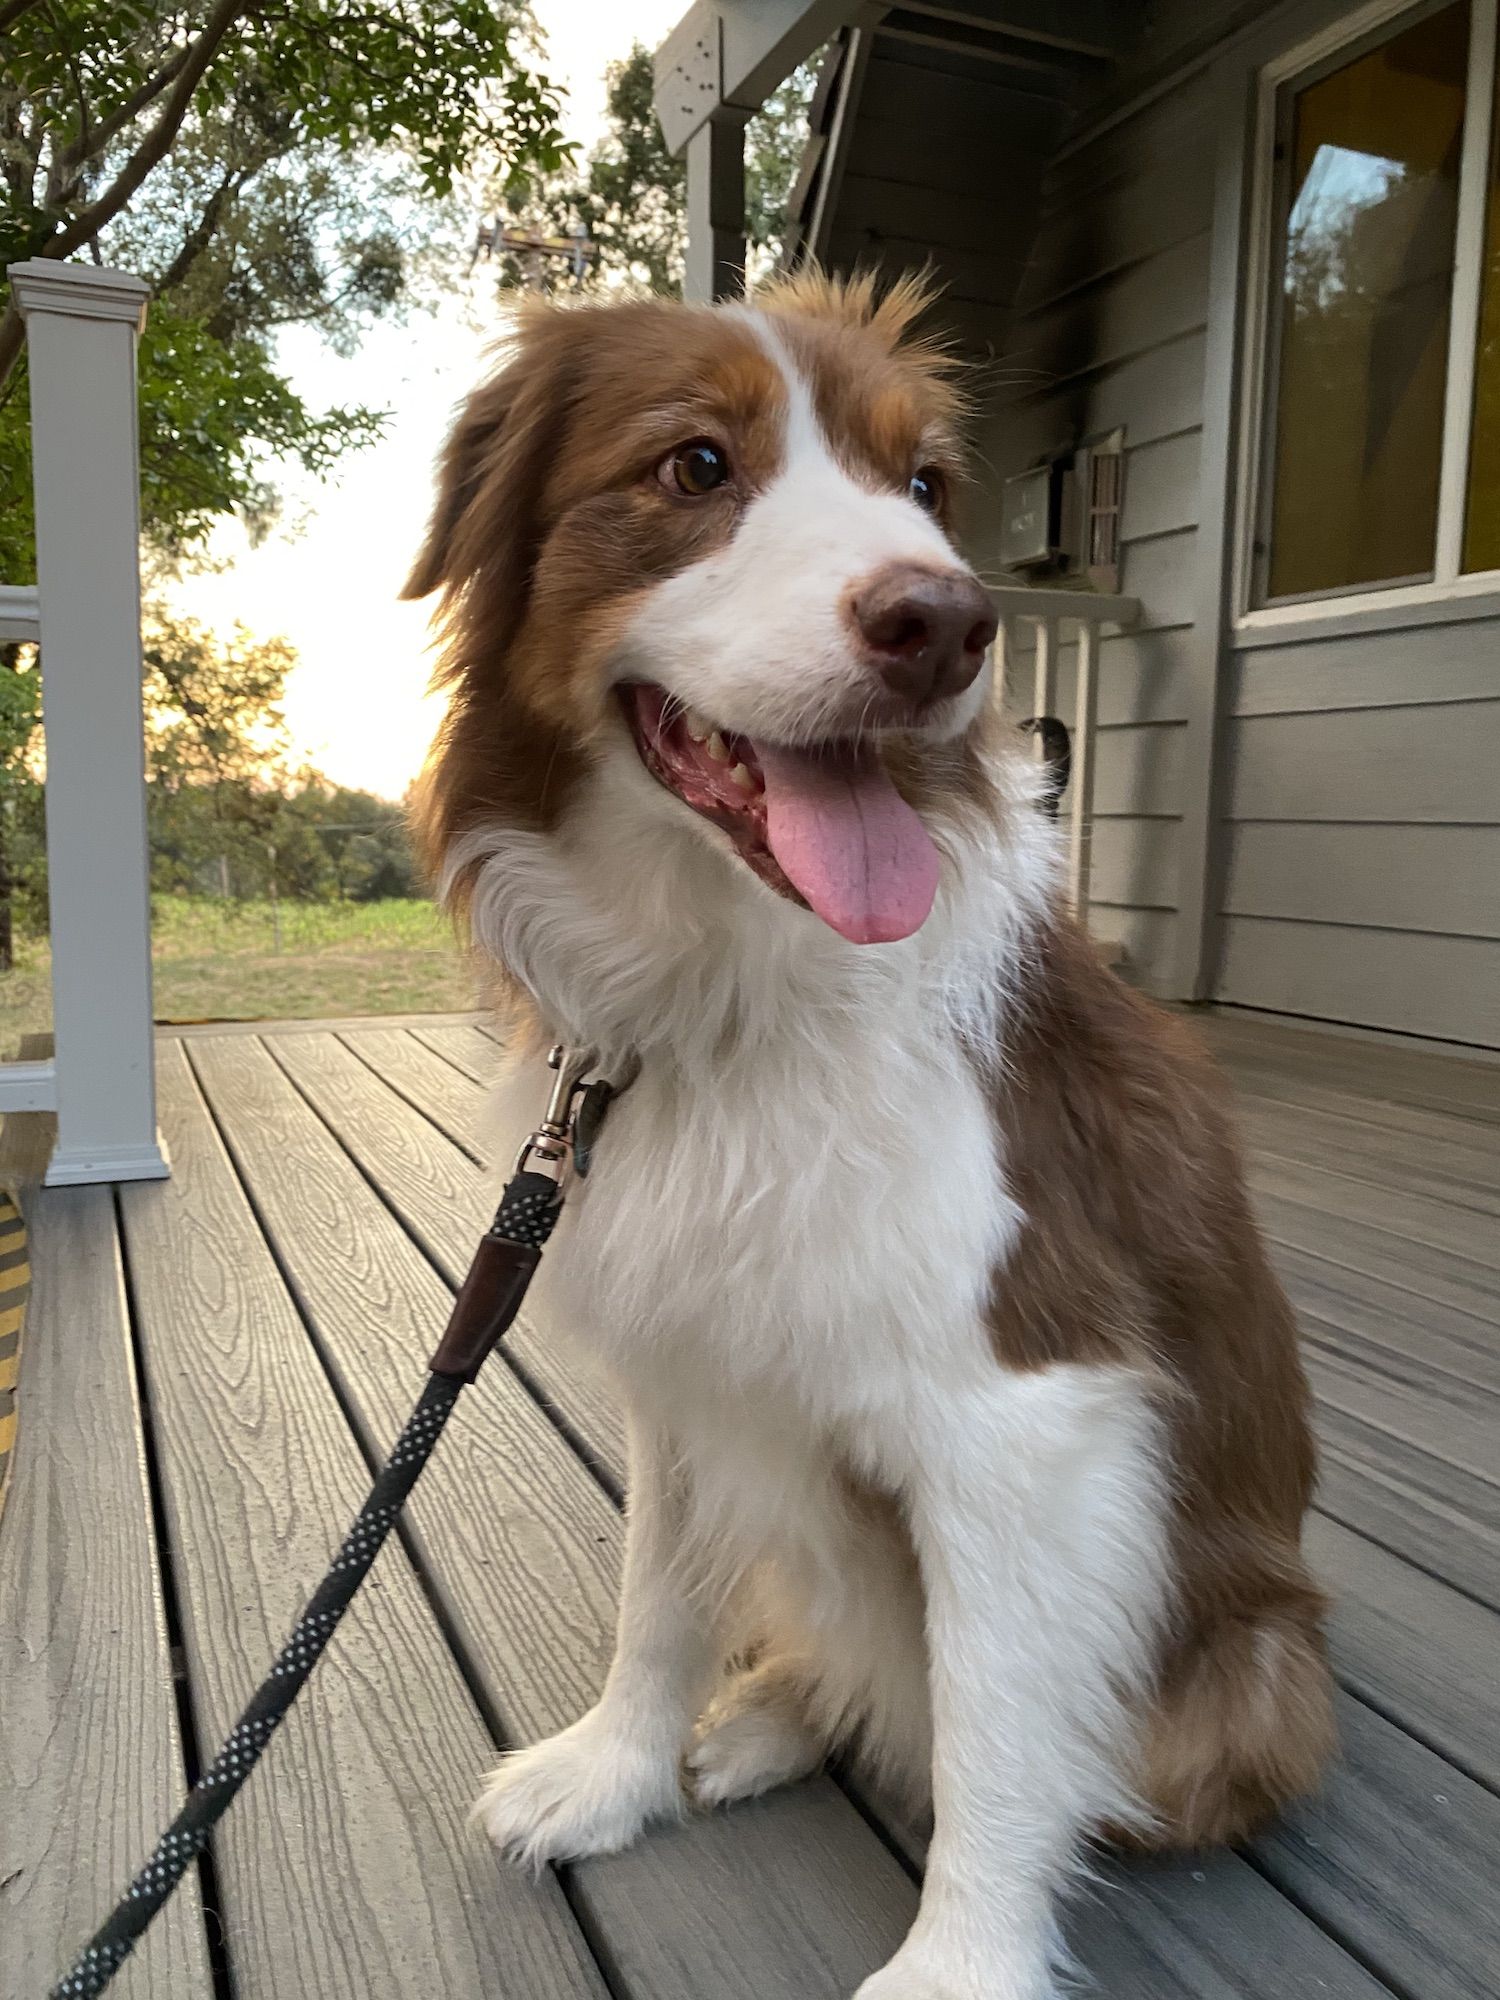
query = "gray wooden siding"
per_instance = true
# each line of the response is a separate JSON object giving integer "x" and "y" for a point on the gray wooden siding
{"x": 1361, "y": 871}
{"x": 1111, "y": 332}
{"x": 943, "y": 172}
{"x": 1359, "y": 809}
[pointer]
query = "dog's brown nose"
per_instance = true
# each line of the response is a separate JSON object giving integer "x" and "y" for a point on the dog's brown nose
{"x": 926, "y": 629}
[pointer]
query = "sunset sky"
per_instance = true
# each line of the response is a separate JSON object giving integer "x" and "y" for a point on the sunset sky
{"x": 356, "y": 702}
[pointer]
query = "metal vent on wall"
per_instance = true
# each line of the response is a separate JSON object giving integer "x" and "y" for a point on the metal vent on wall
{"x": 1062, "y": 518}
{"x": 1102, "y": 495}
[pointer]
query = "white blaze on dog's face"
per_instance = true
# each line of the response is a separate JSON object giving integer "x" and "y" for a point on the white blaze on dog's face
{"x": 717, "y": 540}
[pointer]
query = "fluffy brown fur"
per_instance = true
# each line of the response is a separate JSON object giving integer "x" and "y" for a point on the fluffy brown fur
{"x": 1140, "y": 1248}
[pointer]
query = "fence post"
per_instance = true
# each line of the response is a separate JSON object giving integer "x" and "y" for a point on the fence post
{"x": 81, "y": 326}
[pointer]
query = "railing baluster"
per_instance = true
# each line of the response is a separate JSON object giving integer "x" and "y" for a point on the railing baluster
{"x": 1081, "y": 778}
{"x": 1044, "y": 685}
{"x": 1049, "y": 610}
{"x": 1005, "y": 660}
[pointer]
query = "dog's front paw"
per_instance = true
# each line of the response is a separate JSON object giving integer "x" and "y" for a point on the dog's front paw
{"x": 754, "y": 1736}
{"x": 927, "y": 1971}
{"x": 587, "y": 1791}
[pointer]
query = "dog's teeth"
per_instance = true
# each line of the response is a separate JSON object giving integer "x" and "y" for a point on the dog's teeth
{"x": 695, "y": 725}
{"x": 717, "y": 748}
{"x": 741, "y": 777}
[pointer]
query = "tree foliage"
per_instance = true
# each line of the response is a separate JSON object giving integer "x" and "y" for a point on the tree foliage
{"x": 97, "y": 93}
{"x": 630, "y": 196}
{"x": 229, "y": 810}
{"x": 262, "y": 166}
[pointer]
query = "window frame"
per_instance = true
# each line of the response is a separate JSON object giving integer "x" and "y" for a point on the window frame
{"x": 1314, "y": 56}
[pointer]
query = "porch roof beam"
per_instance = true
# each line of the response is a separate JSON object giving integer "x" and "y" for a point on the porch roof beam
{"x": 732, "y": 53}
{"x": 987, "y": 41}
{"x": 1098, "y": 28}
{"x": 735, "y": 55}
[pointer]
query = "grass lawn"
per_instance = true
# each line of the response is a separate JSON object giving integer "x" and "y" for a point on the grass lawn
{"x": 217, "y": 961}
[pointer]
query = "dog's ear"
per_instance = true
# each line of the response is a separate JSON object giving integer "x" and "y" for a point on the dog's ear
{"x": 485, "y": 525}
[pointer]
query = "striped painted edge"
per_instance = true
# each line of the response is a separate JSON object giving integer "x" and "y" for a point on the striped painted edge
{"x": 15, "y": 1285}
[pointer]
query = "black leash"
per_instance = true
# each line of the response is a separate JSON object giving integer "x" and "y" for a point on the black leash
{"x": 487, "y": 1303}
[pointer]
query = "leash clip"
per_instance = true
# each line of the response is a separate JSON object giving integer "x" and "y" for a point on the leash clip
{"x": 551, "y": 1149}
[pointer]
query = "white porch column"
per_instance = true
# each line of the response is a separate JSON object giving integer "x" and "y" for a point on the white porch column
{"x": 81, "y": 326}
{"x": 715, "y": 261}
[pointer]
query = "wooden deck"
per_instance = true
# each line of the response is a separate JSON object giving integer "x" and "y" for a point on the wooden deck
{"x": 211, "y": 1365}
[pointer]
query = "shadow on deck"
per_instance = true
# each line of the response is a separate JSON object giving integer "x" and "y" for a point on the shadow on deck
{"x": 211, "y": 1365}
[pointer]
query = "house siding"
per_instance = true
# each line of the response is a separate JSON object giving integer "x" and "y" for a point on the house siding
{"x": 1111, "y": 331}
{"x": 943, "y": 172}
{"x": 1361, "y": 858}
{"x": 1356, "y": 867}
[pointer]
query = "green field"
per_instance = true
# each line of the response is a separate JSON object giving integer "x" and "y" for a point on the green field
{"x": 224, "y": 961}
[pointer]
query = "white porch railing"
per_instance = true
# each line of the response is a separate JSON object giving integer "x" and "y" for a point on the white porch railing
{"x": 81, "y": 325}
{"x": 1048, "y": 613}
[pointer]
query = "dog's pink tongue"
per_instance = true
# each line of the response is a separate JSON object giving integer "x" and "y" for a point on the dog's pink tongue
{"x": 847, "y": 840}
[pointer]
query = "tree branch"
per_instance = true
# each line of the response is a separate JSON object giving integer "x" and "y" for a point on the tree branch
{"x": 12, "y": 338}
{"x": 63, "y": 177}
{"x": 12, "y": 11}
{"x": 154, "y": 148}
{"x": 19, "y": 159}
{"x": 201, "y": 234}
{"x": 131, "y": 109}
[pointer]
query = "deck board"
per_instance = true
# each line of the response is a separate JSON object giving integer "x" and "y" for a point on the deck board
{"x": 466, "y": 1047}
{"x": 1413, "y": 1503}
{"x": 1433, "y": 1276}
{"x": 445, "y": 1201}
{"x": 1397, "y": 1857}
{"x": 1412, "y": 1648}
{"x": 506, "y": 1512}
{"x": 1461, "y": 1172}
{"x": 429, "y": 1083}
{"x": 1416, "y": 1222}
{"x": 288, "y": 1283}
{"x": 1359, "y": 1068}
{"x": 346, "y": 1866}
{"x": 1450, "y": 1420}
{"x": 1371, "y": 1313}
{"x": 91, "y": 1761}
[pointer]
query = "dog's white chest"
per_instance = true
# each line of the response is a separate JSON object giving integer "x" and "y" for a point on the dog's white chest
{"x": 807, "y": 1226}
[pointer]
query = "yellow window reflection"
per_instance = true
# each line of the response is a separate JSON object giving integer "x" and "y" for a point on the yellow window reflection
{"x": 1370, "y": 158}
{"x": 1482, "y": 513}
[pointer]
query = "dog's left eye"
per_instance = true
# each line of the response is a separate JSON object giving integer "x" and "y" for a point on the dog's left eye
{"x": 926, "y": 489}
{"x": 694, "y": 469}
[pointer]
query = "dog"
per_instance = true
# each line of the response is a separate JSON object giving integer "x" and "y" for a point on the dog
{"x": 967, "y": 1430}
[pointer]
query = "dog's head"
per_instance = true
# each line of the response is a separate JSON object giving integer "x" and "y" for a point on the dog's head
{"x": 714, "y": 545}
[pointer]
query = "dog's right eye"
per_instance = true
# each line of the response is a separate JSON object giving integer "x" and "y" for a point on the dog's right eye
{"x": 694, "y": 469}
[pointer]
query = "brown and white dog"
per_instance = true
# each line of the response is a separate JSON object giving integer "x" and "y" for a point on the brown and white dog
{"x": 966, "y": 1421}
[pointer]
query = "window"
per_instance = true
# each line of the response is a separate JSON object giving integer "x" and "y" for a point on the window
{"x": 1376, "y": 463}
{"x": 1482, "y": 496}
